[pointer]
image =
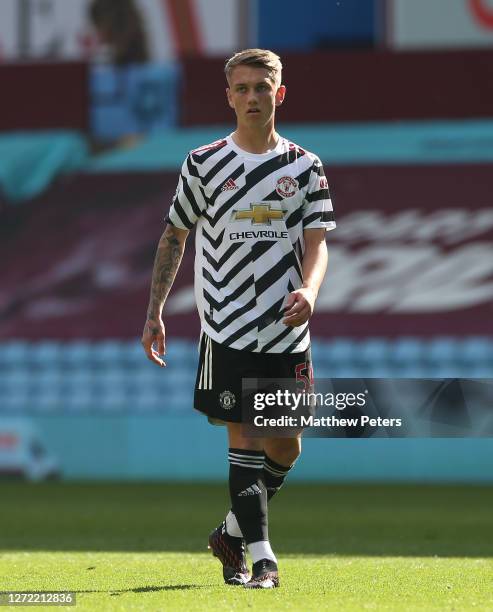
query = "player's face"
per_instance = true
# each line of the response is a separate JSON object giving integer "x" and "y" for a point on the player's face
{"x": 253, "y": 95}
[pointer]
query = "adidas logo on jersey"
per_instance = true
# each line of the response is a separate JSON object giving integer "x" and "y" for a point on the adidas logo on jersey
{"x": 253, "y": 490}
{"x": 229, "y": 185}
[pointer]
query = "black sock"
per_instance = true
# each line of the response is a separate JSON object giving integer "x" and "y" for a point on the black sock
{"x": 274, "y": 475}
{"x": 248, "y": 493}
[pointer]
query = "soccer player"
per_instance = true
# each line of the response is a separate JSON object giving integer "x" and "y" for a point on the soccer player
{"x": 260, "y": 205}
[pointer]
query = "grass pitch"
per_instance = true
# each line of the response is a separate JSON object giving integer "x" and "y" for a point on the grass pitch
{"x": 143, "y": 546}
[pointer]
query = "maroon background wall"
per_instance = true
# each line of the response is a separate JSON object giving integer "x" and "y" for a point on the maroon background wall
{"x": 44, "y": 96}
{"x": 356, "y": 86}
{"x": 325, "y": 86}
{"x": 412, "y": 254}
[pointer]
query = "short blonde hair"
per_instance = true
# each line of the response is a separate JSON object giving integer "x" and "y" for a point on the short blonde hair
{"x": 257, "y": 58}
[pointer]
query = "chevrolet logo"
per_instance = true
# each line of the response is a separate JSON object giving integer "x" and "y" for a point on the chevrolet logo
{"x": 260, "y": 214}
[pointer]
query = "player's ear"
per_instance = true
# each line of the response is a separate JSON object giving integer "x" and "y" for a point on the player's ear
{"x": 228, "y": 95}
{"x": 280, "y": 94}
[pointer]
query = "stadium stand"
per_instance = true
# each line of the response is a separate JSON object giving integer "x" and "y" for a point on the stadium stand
{"x": 111, "y": 376}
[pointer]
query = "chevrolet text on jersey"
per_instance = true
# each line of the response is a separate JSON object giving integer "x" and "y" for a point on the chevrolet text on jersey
{"x": 257, "y": 234}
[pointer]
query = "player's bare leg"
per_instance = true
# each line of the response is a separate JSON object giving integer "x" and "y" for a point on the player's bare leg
{"x": 284, "y": 451}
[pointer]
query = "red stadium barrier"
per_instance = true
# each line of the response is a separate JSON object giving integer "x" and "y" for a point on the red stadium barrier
{"x": 356, "y": 86}
{"x": 44, "y": 96}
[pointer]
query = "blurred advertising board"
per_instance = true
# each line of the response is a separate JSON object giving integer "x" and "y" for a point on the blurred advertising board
{"x": 416, "y": 258}
{"x": 124, "y": 447}
{"x": 23, "y": 451}
{"x": 412, "y": 255}
{"x": 61, "y": 29}
{"x": 132, "y": 100}
{"x": 426, "y": 24}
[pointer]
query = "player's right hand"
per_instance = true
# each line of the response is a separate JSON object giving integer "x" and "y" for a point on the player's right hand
{"x": 153, "y": 341}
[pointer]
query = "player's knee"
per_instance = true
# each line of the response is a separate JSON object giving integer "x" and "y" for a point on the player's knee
{"x": 237, "y": 439}
{"x": 283, "y": 450}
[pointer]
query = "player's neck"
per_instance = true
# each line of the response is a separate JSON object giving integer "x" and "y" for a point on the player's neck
{"x": 256, "y": 141}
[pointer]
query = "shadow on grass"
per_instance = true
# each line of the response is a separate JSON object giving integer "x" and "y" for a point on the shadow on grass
{"x": 149, "y": 589}
{"x": 370, "y": 520}
{"x": 171, "y": 587}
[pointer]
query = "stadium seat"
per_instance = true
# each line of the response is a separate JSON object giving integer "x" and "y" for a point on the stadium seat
{"x": 45, "y": 354}
{"x": 108, "y": 352}
{"x": 147, "y": 376}
{"x": 77, "y": 354}
{"x": 452, "y": 369}
{"x": 321, "y": 371}
{"x": 338, "y": 351}
{"x": 377, "y": 369}
{"x": 4, "y": 380}
{"x": 480, "y": 370}
{"x": 18, "y": 403}
{"x": 46, "y": 379}
{"x": 318, "y": 347}
{"x": 115, "y": 401}
{"x": 178, "y": 349}
{"x": 183, "y": 403}
{"x": 410, "y": 369}
{"x": 346, "y": 370}
{"x": 132, "y": 353}
{"x": 79, "y": 379}
{"x": 477, "y": 350}
{"x": 407, "y": 350}
{"x": 18, "y": 380}
{"x": 114, "y": 376}
{"x": 442, "y": 350}
{"x": 373, "y": 351}
{"x": 14, "y": 354}
{"x": 48, "y": 402}
{"x": 78, "y": 402}
{"x": 148, "y": 401}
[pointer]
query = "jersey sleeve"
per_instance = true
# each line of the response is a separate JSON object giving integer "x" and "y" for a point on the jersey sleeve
{"x": 188, "y": 202}
{"x": 317, "y": 207}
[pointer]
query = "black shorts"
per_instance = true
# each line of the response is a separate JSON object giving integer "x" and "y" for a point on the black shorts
{"x": 218, "y": 388}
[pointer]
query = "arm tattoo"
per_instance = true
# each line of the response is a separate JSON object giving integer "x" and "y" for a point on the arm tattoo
{"x": 166, "y": 263}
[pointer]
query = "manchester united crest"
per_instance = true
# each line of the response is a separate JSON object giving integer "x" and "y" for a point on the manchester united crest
{"x": 227, "y": 400}
{"x": 287, "y": 186}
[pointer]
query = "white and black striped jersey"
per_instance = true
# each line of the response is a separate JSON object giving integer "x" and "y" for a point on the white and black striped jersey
{"x": 250, "y": 212}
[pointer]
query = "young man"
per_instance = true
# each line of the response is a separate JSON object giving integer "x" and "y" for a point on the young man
{"x": 261, "y": 208}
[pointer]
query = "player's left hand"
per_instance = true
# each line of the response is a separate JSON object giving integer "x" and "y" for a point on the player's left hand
{"x": 299, "y": 307}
